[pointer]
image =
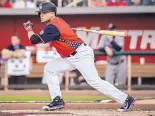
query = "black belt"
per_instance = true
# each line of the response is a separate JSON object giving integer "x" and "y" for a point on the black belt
{"x": 116, "y": 62}
{"x": 72, "y": 54}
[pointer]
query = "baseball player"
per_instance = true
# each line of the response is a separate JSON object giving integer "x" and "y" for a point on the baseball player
{"x": 116, "y": 67}
{"x": 75, "y": 55}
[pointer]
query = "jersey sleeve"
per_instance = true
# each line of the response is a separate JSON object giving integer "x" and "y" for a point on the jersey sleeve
{"x": 49, "y": 33}
{"x": 105, "y": 41}
{"x": 119, "y": 41}
{"x": 22, "y": 47}
{"x": 9, "y": 47}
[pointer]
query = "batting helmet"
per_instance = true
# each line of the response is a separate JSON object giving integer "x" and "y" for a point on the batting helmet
{"x": 111, "y": 26}
{"x": 47, "y": 7}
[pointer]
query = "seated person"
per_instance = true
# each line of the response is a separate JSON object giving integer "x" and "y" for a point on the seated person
{"x": 15, "y": 49}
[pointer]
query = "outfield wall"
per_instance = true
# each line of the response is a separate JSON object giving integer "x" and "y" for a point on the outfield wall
{"x": 137, "y": 22}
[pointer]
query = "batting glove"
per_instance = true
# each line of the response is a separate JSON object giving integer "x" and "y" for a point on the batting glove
{"x": 28, "y": 26}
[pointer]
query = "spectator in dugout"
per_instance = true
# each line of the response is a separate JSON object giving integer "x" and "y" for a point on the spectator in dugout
{"x": 5, "y": 4}
{"x": 15, "y": 49}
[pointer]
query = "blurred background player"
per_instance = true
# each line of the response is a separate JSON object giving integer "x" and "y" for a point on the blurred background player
{"x": 116, "y": 67}
{"x": 15, "y": 49}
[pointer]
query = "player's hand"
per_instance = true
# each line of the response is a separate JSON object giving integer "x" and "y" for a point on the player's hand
{"x": 28, "y": 26}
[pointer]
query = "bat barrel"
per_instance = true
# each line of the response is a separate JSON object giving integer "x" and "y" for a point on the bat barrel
{"x": 103, "y": 32}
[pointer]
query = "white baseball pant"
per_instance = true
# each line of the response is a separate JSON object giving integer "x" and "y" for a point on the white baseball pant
{"x": 83, "y": 60}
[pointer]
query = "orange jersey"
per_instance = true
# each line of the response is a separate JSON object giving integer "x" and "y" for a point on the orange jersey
{"x": 68, "y": 39}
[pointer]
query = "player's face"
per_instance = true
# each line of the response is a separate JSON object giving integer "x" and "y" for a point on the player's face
{"x": 46, "y": 17}
{"x": 15, "y": 40}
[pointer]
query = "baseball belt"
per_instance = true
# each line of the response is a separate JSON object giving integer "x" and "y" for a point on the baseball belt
{"x": 72, "y": 54}
{"x": 116, "y": 62}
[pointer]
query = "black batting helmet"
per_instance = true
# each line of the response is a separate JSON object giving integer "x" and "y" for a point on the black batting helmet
{"x": 47, "y": 7}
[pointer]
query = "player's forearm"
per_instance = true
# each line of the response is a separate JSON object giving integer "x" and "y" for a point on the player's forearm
{"x": 116, "y": 46}
{"x": 30, "y": 33}
{"x": 6, "y": 54}
{"x": 113, "y": 43}
{"x": 34, "y": 38}
{"x": 19, "y": 53}
{"x": 108, "y": 51}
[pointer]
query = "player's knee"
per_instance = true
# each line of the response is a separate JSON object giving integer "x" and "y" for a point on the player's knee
{"x": 49, "y": 67}
{"x": 95, "y": 82}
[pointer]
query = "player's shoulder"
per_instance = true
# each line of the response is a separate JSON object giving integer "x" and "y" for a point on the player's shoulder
{"x": 60, "y": 20}
{"x": 10, "y": 47}
{"x": 22, "y": 46}
{"x": 50, "y": 27}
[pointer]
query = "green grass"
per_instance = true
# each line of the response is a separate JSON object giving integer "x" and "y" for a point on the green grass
{"x": 47, "y": 98}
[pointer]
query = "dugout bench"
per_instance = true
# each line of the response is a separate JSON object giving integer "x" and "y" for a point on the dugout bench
{"x": 136, "y": 70}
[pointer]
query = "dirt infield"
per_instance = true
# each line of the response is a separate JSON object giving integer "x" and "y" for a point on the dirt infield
{"x": 139, "y": 104}
{"x": 77, "y": 109}
{"x": 144, "y": 105}
{"x": 76, "y": 112}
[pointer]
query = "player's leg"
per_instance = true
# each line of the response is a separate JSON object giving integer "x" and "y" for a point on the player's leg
{"x": 85, "y": 64}
{"x": 51, "y": 71}
{"x": 110, "y": 73}
{"x": 88, "y": 70}
{"x": 121, "y": 75}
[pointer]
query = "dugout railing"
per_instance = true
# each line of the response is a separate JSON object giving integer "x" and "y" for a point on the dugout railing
{"x": 134, "y": 70}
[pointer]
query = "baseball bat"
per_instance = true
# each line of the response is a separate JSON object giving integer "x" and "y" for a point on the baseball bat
{"x": 103, "y": 32}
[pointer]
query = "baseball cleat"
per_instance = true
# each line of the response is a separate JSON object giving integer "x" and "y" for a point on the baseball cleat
{"x": 57, "y": 103}
{"x": 127, "y": 104}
